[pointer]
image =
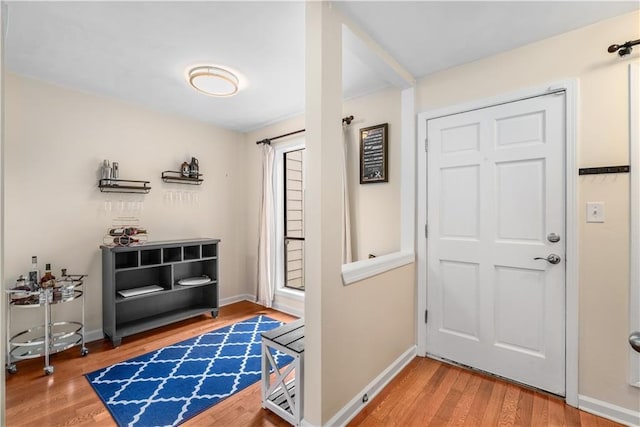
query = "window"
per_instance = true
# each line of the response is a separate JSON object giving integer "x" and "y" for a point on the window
{"x": 288, "y": 181}
{"x": 293, "y": 210}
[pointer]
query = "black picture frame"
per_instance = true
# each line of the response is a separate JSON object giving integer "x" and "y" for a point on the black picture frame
{"x": 373, "y": 154}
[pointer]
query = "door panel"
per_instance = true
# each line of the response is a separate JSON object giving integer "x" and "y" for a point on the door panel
{"x": 459, "y": 298}
{"x": 460, "y": 138}
{"x": 520, "y": 191}
{"x": 495, "y": 191}
{"x": 522, "y": 129}
{"x": 519, "y": 305}
{"x": 459, "y": 202}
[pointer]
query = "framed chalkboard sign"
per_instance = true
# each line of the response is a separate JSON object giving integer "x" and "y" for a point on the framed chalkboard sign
{"x": 373, "y": 154}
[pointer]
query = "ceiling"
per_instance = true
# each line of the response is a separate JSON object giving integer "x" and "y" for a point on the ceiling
{"x": 138, "y": 51}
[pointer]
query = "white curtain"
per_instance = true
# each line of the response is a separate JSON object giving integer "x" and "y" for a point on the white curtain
{"x": 346, "y": 215}
{"x": 266, "y": 239}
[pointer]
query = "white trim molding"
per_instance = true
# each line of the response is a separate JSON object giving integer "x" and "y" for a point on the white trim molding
{"x": 360, "y": 270}
{"x": 355, "y": 405}
{"x": 95, "y": 335}
{"x": 609, "y": 411}
{"x": 280, "y": 148}
{"x": 570, "y": 87}
{"x": 293, "y": 306}
{"x": 290, "y": 293}
{"x": 634, "y": 215}
{"x": 237, "y": 298}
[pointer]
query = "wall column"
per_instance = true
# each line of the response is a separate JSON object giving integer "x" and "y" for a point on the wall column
{"x": 323, "y": 198}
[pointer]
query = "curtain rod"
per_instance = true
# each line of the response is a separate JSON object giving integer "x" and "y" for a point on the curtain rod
{"x": 346, "y": 120}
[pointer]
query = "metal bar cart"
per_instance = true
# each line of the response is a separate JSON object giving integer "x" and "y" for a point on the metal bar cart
{"x": 50, "y": 337}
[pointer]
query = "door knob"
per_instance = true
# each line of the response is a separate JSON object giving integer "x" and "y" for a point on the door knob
{"x": 551, "y": 259}
{"x": 634, "y": 340}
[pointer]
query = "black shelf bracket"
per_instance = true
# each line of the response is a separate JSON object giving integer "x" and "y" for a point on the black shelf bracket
{"x": 123, "y": 186}
{"x": 177, "y": 178}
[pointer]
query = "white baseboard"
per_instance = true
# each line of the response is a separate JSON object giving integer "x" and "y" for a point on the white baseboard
{"x": 607, "y": 410}
{"x": 237, "y": 298}
{"x": 285, "y": 308}
{"x": 288, "y": 309}
{"x": 351, "y": 409}
{"x": 94, "y": 335}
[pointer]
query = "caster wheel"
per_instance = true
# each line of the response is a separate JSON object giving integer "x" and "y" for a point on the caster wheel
{"x": 84, "y": 351}
{"x": 12, "y": 369}
{"x": 214, "y": 314}
{"x": 48, "y": 370}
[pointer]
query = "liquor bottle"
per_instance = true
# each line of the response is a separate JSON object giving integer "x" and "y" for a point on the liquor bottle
{"x": 185, "y": 169}
{"x": 194, "y": 168}
{"x": 116, "y": 231}
{"x": 47, "y": 280}
{"x": 115, "y": 173}
{"x": 125, "y": 240}
{"x": 33, "y": 277}
{"x": 106, "y": 172}
{"x": 126, "y": 231}
{"x": 115, "y": 170}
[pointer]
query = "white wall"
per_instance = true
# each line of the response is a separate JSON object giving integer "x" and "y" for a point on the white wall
{"x": 602, "y": 140}
{"x": 56, "y": 139}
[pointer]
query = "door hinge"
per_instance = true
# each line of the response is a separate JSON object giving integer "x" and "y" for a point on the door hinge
{"x": 426, "y": 230}
{"x": 426, "y": 145}
{"x": 426, "y": 316}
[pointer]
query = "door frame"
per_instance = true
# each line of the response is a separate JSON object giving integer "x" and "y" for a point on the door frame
{"x": 570, "y": 87}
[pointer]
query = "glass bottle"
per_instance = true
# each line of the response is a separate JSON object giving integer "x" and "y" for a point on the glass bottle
{"x": 106, "y": 172}
{"x": 47, "y": 280}
{"x": 33, "y": 277}
{"x": 66, "y": 285}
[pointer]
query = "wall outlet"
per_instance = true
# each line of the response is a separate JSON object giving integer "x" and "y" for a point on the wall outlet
{"x": 595, "y": 212}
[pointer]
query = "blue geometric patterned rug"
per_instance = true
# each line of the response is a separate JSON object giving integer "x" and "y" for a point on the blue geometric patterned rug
{"x": 170, "y": 385}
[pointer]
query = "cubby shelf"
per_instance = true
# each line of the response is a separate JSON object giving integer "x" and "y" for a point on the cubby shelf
{"x": 162, "y": 264}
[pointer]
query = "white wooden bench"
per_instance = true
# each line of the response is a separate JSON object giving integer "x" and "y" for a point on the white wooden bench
{"x": 281, "y": 396}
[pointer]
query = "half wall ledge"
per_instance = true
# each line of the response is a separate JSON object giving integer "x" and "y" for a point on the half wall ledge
{"x": 360, "y": 270}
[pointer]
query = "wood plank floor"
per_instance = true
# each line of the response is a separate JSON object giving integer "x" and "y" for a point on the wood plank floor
{"x": 426, "y": 392}
{"x": 430, "y": 393}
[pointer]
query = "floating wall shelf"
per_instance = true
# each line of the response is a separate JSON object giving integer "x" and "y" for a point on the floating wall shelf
{"x": 177, "y": 178}
{"x": 123, "y": 186}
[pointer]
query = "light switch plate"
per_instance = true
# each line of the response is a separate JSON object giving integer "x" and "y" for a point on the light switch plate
{"x": 595, "y": 212}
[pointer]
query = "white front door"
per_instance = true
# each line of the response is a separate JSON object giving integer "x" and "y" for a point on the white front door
{"x": 495, "y": 202}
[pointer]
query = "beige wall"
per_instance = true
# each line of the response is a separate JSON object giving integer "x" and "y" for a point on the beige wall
{"x": 375, "y": 208}
{"x": 55, "y": 142}
{"x": 349, "y": 341}
{"x": 359, "y": 346}
{"x": 602, "y": 140}
{"x": 370, "y": 324}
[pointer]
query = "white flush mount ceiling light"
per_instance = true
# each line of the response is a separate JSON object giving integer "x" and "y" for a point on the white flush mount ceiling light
{"x": 213, "y": 80}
